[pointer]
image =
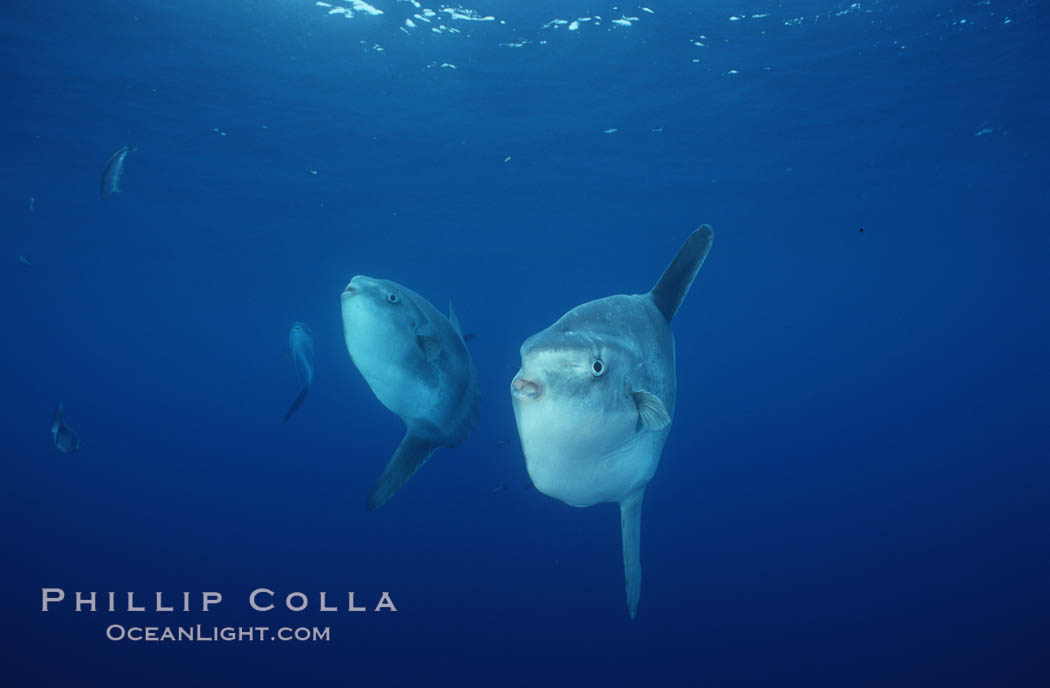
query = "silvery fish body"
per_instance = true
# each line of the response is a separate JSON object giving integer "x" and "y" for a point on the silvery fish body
{"x": 66, "y": 441}
{"x": 114, "y": 169}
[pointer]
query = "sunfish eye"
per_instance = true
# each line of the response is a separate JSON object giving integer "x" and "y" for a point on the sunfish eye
{"x": 597, "y": 368}
{"x": 392, "y": 297}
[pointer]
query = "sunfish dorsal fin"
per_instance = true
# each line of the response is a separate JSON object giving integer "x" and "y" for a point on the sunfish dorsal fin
{"x": 674, "y": 284}
{"x": 297, "y": 403}
{"x": 454, "y": 320}
{"x": 56, "y": 417}
{"x": 410, "y": 455}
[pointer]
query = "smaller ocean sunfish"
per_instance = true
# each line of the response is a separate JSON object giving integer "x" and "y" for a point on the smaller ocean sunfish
{"x": 113, "y": 170}
{"x": 66, "y": 441}
{"x": 301, "y": 348}
{"x": 417, "y": 364}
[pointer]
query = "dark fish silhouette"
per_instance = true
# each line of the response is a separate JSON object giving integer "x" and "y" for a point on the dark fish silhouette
{"x": 499, "y": 488}
{"x": 66, "y": 441}
{"x": 113, "y": 170}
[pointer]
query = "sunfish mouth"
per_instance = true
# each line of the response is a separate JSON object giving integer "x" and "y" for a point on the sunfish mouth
{"x": 523, "y": 388}
{"x": 359, "y": 284}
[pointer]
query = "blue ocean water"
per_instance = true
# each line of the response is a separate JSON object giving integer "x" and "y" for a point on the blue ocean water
{"x": 855, "y": 488}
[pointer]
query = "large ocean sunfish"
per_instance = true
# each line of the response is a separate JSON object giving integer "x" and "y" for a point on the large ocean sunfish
{"x": 301, "y": 349}
{"x": 595, "y": 396}
{"x": 417, "y": 364}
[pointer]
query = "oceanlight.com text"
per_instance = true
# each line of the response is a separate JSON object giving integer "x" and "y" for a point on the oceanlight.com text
{"x": 199, "y": 633}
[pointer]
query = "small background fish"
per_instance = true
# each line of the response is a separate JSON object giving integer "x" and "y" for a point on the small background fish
{"x": 113, "y": 170}
{"x": 66, "y": 441}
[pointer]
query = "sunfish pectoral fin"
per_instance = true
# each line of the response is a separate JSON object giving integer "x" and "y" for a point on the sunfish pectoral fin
{"x": 427, "y": 341}
{"x": 296, "y": 404}
{"x": 678, "y": 277}
{"x": 412, "y": 453}
{"x": 651, "y": 411}
{"x": 631, "y": 531}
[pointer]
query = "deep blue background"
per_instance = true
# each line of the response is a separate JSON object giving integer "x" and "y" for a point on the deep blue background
{"x": 855, "y": 491}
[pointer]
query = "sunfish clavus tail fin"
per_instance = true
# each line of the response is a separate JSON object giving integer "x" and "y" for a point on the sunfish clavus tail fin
{"x": 412, "y": 453}
{"x": 631, "y": 530}
{"x": 674, "y": 284}
{"x": 296, "y": 404}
